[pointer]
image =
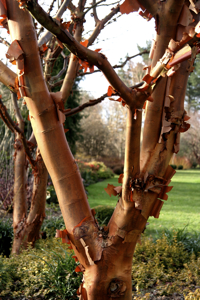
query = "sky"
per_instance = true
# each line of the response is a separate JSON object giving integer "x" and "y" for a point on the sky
{"x": 118, "y": 39}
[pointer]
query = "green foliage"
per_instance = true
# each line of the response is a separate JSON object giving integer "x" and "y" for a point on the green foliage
{"x": 94, "y": 171}
{"x": 190, "y": 240}
{"x": 47, "y": 271}
{"x": 118, "y": 169}
{"x": 50, "y": 225}
{"x": 193, "y": 88}
{"x": 194, "y": 165}
{"x": 180, "y": 167}
{"x": 165, "y": 267}
{"x": 103, "y": 214}
{"x": 6, "y": 236}
{"x": 51, "y": 195}
{"x": 174, "y": 166}
{"x": 145, "y": 56}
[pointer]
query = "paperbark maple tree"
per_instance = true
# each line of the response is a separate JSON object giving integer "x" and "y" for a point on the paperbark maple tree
{"x": 105, "y": 254}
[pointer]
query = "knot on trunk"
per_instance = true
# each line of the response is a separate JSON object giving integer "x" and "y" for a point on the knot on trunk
{"x": 18, "y": 145}
{"x": 116, "y": 288}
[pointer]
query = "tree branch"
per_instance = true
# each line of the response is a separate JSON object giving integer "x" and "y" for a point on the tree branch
{"x": 47, "y": 35}
{"x": 71, "y": 112}
{"x": 56, "y": 77}
{"x": 100, "y": 25}
{"x": 3, "y": 41}
{"x": 8, "y": 77}
{"x": 94, "y": 6}
{"x": 116, "y": 66}
{"x": 93, "y": 57}
{"x": 14, "y": 128}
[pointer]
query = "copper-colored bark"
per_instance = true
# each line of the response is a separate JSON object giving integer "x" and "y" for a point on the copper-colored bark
{"x": 167, "y": 30}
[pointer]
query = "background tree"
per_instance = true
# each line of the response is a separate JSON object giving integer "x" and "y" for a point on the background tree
{"x": 190, "y": 142}
{"x": 193, "y": 89}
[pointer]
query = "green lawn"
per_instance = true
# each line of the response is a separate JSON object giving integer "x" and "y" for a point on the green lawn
{"x": 182, "y": 207}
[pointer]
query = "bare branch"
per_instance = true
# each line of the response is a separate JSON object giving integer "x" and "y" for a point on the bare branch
{"x": 56, "y": 77}
{"x": 47, "y": 35}
{"x": 73, "y": 66}
{"x": 96, "y": 19}
{"x": 7, "y": 77}
{"x": 20, "y": 120}
{"x": 100, "y": 25}
{"x": 71, "y": 112}
{"x": 116, "y": 66}
{"x": 14, "y": 127}
{"x": 3, "y": 41}
{"x": 94, "y": 5}
{"x": 48, "y": 12}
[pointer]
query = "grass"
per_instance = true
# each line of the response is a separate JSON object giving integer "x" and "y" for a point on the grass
{"x": 181, "y": 209}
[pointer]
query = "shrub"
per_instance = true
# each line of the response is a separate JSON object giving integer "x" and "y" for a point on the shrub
{"x": 40, "y": 272}
{"x": 194, "y": 165}
{"x": 167, "y": 265}
{"x": 51, "y": 195}
{"x": 174, "y": 166}
{"x": 93, "y": 171}
{"x": 50, "y": 225}
{"x": 6, "y": 236}
{"x": 189, "y": 240}
{"x": 118, "y": 169}
{"x": 103, "y": 214}
{"x": 180, "y": 167}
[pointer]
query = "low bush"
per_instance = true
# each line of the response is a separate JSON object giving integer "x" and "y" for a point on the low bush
{"x": 6, "y": 236}
{"x": 103, "y": 214}
{"x": 165, "y": 266}
{"x": 180, "y": 167}
{"x": 194, "y": 165}
{"x": 118, "y": 169}
{"x": 47, "y": 271}
{"x": 189, "y": 240}
{"x": 51, "y": 195}
{"x": 50, "y": 225}
{"x": 174, "y": 166}
{"x": 94, "y": 171}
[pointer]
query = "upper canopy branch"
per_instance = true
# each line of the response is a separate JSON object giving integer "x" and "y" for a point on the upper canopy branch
{"x": 116, "y": 66}
{"x": 92, "y": 57}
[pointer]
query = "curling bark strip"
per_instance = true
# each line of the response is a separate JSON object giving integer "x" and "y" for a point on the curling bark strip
{"x": 167, "y": 30}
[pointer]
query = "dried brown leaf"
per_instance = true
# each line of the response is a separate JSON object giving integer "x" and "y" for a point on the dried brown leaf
{"x": 110, "y": 190}
{"x": 120, "y": 179}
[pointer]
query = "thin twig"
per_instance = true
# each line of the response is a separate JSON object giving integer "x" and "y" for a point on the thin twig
{"x": 95, "y": 4}
{"x": 65, "y": 63}
{"x": 78, "y": 109}
{"x": 96, "y": 19}
{"x": 3, "y": 41}
{"x": 48, "y": 12}
{"x": 14, "y": 128}
{"x": 116, "y": 66}
{"x": 47, "y": 35}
